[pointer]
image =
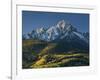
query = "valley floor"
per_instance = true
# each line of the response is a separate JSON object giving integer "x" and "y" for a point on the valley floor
{"x": 37, "y": 54}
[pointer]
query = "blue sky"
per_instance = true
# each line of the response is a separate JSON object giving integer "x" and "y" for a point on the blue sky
{"x": 32, "y": 20}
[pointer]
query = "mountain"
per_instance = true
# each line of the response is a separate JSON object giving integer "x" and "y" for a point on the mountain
{"x": 62, "y": 31}
{"x": 66, "y": 37}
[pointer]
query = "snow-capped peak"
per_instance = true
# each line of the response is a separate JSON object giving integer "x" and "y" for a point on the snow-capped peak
{"x": 40, "y": 30}
{"x": 61, "y": 24}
